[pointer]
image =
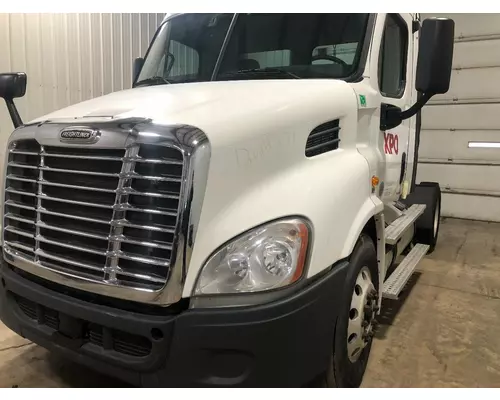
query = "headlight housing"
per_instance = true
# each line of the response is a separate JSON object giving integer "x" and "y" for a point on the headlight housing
{"x": 267, "y": 257}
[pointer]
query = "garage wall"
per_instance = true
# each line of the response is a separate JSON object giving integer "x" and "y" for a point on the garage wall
{"x": 469, "y": 112}
{"x": 70, "y": 57}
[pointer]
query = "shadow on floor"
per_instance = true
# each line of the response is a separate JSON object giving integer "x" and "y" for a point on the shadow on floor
{"x": 76, "y": 375}
{"x": 35, "y": 367}
{"x": 391, "y": 308}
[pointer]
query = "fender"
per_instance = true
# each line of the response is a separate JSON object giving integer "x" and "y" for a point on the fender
{"x": 368, "y": 210}
{"x": 372, "y": 208}
{"x": 327, "y": 201}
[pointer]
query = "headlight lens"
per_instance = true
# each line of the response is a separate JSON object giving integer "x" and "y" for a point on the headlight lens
{"x": 266, "y": 257}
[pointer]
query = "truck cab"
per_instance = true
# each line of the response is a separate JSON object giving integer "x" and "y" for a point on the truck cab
{"x": 236, "y": 217}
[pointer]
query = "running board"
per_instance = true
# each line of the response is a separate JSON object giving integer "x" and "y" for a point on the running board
{"x": 396, "y": 282}
{"x": 395, "y": 230}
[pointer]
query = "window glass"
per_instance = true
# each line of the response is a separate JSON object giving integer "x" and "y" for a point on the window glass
{"x": 184, "y": 60}
{"x": 187, "y": 47}
{"x": 269, "y": 59}
{"x": 392, "y": 58}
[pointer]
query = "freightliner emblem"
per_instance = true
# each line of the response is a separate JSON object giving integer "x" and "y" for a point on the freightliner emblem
{"x": 79, "y": 134}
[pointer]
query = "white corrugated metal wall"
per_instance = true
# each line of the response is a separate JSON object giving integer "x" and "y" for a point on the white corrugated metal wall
{"x": 469, "y": 112}
{"x": 70, "y": 57}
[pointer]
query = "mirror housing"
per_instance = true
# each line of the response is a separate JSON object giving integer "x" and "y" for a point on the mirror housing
{"x": 435, "y": 56}
{"x": 13, "y": 85}
{"x": 136, "y": 69}
{"x": 433, "y": 75}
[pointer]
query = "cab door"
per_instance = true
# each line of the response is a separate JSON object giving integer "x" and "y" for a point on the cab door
{"x": 395, "y": 81}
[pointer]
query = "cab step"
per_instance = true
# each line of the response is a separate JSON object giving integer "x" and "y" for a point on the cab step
{"x": 397, "y": 280}
{"x": 395, "y": 230}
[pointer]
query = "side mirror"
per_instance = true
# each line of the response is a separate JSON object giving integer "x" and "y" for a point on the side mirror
{"x": 138, "y": 63}
{"x": 13, "y": 85}
{"x": 435, "y": 56}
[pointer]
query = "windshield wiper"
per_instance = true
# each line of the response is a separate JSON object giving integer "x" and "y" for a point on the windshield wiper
{"x": 268, "y": 71}
{"x": 154, "y": 80}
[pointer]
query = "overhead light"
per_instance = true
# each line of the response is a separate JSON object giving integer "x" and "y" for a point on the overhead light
{"x": 484, "y": 145}
{"x": 150, "y": 134}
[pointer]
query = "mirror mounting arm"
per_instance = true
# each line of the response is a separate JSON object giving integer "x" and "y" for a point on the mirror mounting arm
{"x": 416, "y": 107}
{"x": 392, "y": 116}
{"x": 14, "y": 114}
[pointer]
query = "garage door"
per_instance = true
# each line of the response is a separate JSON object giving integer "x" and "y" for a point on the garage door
{"x": 460, "y": 141}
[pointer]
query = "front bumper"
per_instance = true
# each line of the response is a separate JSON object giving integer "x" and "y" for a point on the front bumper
{"x": 280, "y": 344}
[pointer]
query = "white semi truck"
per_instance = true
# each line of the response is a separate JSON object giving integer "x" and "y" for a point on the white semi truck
{"x": 235, "y": 218}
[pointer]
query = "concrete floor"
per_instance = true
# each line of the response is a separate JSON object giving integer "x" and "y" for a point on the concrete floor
{"x": 445, "y": 332}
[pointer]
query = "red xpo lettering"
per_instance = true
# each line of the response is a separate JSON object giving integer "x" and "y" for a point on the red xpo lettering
{"x": 391, "y": 143}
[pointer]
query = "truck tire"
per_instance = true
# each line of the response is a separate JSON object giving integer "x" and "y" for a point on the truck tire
{"x": 427, "y": 226}
{"x": 356, "y": 320}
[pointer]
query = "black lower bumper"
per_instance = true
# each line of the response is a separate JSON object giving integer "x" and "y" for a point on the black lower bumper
{"x": 280, "y": 344}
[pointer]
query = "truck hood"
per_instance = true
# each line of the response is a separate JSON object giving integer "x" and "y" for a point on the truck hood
{"x": 211, "y": 106}
{"x": 257, "y": 170}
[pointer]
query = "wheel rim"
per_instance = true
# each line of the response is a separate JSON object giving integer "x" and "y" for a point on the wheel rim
{"x": 436, "y": 220}
{"x": 364, "y": 307}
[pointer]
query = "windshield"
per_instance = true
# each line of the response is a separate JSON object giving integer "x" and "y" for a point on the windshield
{"x": 187, "y": 48}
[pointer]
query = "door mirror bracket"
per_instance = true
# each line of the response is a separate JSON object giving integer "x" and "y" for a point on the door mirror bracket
{"x": 13, "y": 85}
{"x": 435, "y": 56}
{"x": 392, "y": 116}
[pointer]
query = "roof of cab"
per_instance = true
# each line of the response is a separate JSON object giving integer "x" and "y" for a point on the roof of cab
{"x": 169, "y": 15}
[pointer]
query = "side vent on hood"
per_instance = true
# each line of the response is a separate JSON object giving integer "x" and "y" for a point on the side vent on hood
{"x": 323, "y": 138}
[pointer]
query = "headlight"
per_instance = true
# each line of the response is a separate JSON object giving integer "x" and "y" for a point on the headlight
{"x": 267, "y": 257}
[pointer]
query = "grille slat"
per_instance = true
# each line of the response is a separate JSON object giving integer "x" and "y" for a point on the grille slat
{"x": 152, "y": 161}
{"x": 12, "y": 203}
{"x": 21, "y": 192}
{"x": 74, "y": 171}
{"x": 20, "y": 232}
{"x": 20, "y": 179}
{"x": 124, "y": 239}
{"x": 144, "y": 260}
{"x": 108, "y": 215}
{"x": 26, "y": 153}
{"x": 128, "y": 207}
{"x": 151, "y": 178}
{"x": 76, "y": 202}
{"x": 21, "y": 246}
{"x": 20, "y": 219}
{"x": 107, "y": 158}
{"x": 83, "y": 157}
{"x": 149, "y": 194}
{"x": 87, "y": 249}
{"x": 141, "y": 277}
{"x": 66, "y": 260}
{"x": 44, "y": 225}
{"x": 77, "y": 217}
{"x": 20, "y": 165}
{"x": 127, "y": 224}
{"x": 75, "y": 187}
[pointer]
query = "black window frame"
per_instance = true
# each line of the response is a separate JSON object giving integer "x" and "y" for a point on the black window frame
{"x": 404, "y": 59}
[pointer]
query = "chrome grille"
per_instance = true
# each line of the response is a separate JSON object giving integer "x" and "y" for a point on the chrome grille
{"x": 106, "y": 215}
